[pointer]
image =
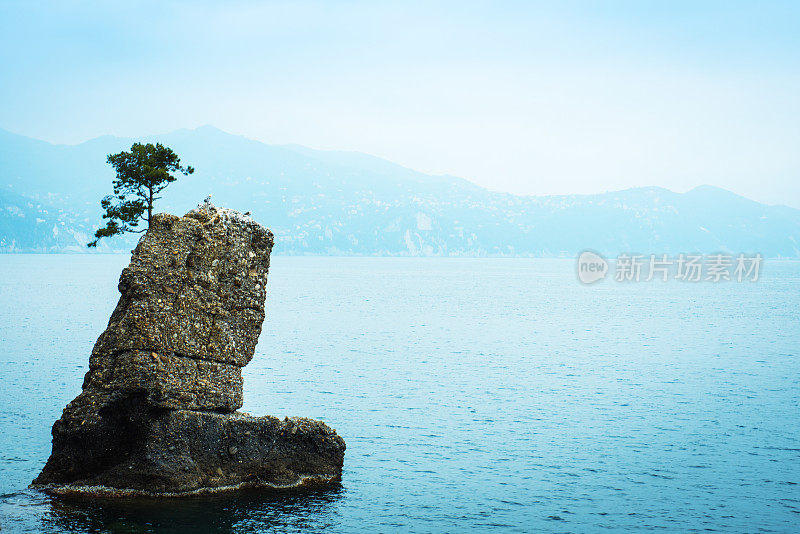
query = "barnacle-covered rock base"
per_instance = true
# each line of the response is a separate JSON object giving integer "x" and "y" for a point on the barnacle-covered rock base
{"x": 157, "y": 414}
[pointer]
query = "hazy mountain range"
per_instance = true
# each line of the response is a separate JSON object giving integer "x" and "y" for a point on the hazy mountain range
{"x": 324, "y": 202}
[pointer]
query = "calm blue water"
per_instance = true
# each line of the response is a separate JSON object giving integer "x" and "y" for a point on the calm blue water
{"x": 472, "y": 394}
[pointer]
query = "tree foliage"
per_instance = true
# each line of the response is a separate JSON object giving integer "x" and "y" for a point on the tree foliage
{"x": 142, "y": 174}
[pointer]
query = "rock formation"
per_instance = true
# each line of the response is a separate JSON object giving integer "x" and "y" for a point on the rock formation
{"x": 157, "y": 413}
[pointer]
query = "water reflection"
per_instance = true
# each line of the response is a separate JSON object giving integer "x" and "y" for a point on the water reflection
{"x": 241, "y": 511}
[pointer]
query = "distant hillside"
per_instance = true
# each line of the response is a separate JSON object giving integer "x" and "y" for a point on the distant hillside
{"x": 28, "y": 225}
{"x": 320, "y": 202}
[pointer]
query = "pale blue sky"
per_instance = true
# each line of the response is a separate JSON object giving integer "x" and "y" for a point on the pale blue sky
{"x": 527, "y": 97}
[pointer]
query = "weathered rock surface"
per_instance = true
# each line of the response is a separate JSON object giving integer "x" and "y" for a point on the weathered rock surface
{"x": 157, "y": 413}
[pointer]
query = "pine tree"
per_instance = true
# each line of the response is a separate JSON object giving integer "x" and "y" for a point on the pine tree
{"x": 142, "y": 174}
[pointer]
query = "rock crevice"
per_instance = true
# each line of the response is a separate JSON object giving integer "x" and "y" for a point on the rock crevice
{"x": 157, "y": 413}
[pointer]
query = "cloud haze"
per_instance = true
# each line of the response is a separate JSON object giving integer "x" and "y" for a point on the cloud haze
{"x": 526, "y": 97}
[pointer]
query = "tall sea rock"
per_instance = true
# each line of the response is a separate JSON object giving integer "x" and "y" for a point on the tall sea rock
{"x": 157, "y": 413}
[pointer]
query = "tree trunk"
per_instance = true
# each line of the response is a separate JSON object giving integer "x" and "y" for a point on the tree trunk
{"x": 150, "y": 207}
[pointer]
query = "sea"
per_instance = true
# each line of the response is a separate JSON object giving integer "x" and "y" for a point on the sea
{"x": 475, "y": 395}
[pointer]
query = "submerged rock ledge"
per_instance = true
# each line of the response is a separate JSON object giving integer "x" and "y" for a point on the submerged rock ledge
{"x": 157, "y": 414}
{"x": 305, "y": 482}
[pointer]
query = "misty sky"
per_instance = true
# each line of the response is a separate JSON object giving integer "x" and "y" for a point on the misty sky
{"x": 526, "y": 97}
